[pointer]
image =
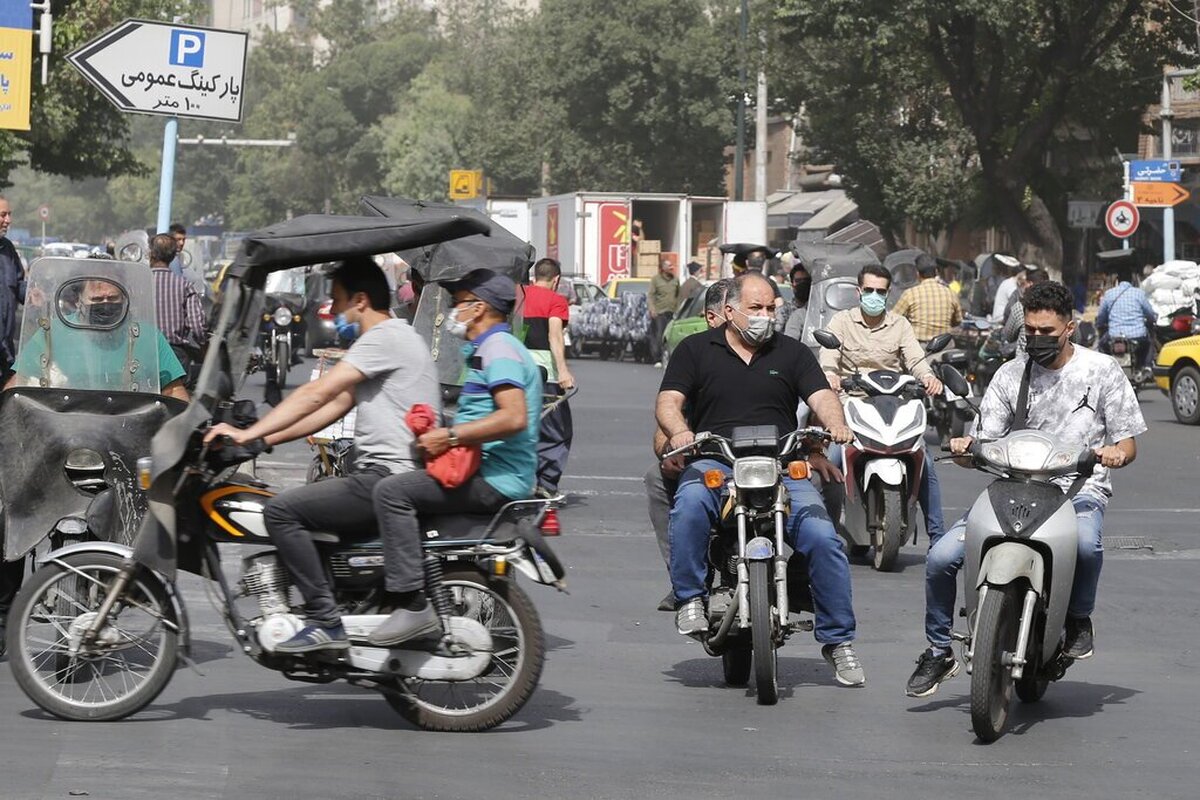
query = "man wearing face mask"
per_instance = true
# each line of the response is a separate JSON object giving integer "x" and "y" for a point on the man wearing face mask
{"x": 801, "y": 288}
{"x": 1075, "y": 395}
{"x": 743, "y": 374}
{"x": 387, "y": 370}
{"x": 875, "y": 338}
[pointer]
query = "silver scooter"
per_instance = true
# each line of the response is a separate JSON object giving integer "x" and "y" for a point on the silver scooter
{"x": 1021, "y": 545}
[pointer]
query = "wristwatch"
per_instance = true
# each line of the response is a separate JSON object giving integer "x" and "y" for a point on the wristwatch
{"x": 452, "y": 437}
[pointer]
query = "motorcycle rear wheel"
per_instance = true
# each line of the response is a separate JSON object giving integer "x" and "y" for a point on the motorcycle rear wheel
{"x": 892, "y": 535}
{"x": 991, "y": 679}
{"x": 762, "y": 627}
{"x": 519, "y": 652}
{"x": 736, "y": 662}
{"x": 118, "y": 676}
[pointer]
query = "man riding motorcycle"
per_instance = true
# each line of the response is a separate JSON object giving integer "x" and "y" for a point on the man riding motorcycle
{"x": 1075, "y": 395}
{"x": 874, "y": 338}
{"x": 1125, "y": 312}
{"x": 742, "y": 373}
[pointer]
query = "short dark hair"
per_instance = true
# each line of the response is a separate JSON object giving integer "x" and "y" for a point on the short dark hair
{"x": 874, "y": 269}
{"x": 362, "y": 274}
{"x": 162, "y": 249}
{"x": 738, "y": 285}
{"x": 714, "y": 296}
{"x": 926, "y": 265}
{"x": 177, "y": 227}
{"x": 1049, "y": 296}
{"x": 1036, "y": 275}
{"x": 798, "y": 268}
{"x": 693, "y": 267}
{"x": 546, "y": 269}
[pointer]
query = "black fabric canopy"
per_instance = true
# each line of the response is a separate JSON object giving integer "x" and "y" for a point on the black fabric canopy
{"x": 499, "y": 250}
{"x": 825, "y": 260}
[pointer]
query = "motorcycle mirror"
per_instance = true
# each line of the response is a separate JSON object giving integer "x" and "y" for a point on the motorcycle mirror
{"x": 954, "y": 381}
{"x": 827, "y": 340}
{"x": 938, "y": 343}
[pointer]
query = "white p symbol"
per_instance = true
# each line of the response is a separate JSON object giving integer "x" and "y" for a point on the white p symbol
{"x": 187, "y": 48}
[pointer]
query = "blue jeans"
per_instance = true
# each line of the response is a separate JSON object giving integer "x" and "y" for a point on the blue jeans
{"x": 809, "y": 531}
{"x": 929, "y": 493}
{"x": 945, "y": 559}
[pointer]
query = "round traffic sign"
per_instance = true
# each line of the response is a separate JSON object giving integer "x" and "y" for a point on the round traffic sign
{"x": 43, "y": 212}
{"x": 1122, "y": 219}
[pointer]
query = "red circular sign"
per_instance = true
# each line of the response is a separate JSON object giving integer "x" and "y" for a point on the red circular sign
{"x": 1122, "y": 219}
{"x": 44, "y": 212}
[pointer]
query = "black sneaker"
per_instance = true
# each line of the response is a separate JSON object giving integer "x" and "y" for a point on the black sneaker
{"x": 1080, "y": 638}
{"x": 932, "y": 669}
{"x": 668, "y": 602}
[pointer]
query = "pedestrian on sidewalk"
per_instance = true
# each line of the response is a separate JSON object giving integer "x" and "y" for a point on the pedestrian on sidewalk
{"x": 664, "y": 299}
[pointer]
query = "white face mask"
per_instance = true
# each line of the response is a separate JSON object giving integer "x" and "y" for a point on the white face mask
{"x": 758, "y": 330}
{"x": 455, "y": 326}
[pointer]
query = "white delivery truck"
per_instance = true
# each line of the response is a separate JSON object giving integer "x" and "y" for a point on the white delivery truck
{"x": 590, "y": 232}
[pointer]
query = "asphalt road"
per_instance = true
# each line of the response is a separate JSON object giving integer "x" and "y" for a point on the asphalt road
{"x": 629, "y": 709}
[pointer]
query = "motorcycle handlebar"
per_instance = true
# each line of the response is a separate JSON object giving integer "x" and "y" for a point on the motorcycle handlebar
{"x": 788, "y": 443}
{"x": 223, "y": 452}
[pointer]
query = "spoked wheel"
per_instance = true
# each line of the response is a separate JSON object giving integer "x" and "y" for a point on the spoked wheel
{"x": 891, "y": 531}
{"x": 991, "y": 678}
{"x": 518, "y": 651}
{"x": 127, "y": 665}
{"x": 736, "y": 661}
{"x": 762, "y": 628}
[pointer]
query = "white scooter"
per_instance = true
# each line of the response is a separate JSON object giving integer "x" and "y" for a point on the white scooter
{"x": 884, "y": 464}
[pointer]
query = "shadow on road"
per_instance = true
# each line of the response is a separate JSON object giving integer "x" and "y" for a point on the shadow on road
{"x": 793, "y": 673}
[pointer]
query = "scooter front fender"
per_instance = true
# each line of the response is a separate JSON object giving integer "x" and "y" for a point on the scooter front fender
{"x": 1007, "y": 562}
{"x": 889, "y": 470}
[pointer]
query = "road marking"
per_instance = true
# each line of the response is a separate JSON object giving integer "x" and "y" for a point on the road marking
{"x": 601, "y": 478}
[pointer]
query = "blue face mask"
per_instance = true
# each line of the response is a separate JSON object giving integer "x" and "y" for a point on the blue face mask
{"x": 346, "y": 330}
{"x": 873, "y": 304}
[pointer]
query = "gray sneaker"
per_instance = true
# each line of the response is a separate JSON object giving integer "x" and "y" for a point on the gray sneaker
{"x": 404, "y": 625}
{"x": 846, "y": 666}
{"x": 690, "y": 619}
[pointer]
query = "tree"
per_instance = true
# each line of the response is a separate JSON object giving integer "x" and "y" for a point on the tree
{"x": 1024, "y": 79}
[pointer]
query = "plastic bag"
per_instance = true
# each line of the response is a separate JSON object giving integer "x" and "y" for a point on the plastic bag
{"x": 452, "y": 468}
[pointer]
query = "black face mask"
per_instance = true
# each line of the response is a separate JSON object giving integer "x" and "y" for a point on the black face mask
{"x": 105, "y": 314}
{"x": 801, "y": 291}
{"x": 1043, "y": 348}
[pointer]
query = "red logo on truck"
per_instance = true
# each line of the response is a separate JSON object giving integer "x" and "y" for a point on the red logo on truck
{"x": 614, "y": 241}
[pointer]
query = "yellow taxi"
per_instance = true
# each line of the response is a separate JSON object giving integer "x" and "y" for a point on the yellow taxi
{"x": 618, "y": 286}
{"x": 1177, "y": 372}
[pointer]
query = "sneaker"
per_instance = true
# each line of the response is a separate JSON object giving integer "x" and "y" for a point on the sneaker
{"x": 690, "y": 619}
{"x": 932, "y": 668}
{"x": 846, "y": 666}
{"x": 668, "y": 602}
{"x": 312, "y": 638}
{"x": 404, "y": 625}
{"x": 1080, "y": 638}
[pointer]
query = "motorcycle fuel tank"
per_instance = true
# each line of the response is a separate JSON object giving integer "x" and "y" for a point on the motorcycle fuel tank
{"x": 236, "y": 513}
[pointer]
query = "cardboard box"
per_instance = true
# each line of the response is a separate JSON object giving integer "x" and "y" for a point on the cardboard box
{"x": 646, "y": 271}
{"x": 649, "y": 246}
{"x": 650, "y": 260}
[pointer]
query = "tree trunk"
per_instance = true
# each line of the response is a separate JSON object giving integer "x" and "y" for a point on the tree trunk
{"x": 1034, "y": 232}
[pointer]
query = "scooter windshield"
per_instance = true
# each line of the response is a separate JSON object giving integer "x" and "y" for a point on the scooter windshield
{"x": 89, "y": 324}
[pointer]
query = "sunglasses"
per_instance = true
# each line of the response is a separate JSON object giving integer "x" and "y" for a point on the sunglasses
{"x": 866, "y": 290}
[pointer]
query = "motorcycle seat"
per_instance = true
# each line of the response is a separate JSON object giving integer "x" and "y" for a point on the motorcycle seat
{"x": 443, "y": 530}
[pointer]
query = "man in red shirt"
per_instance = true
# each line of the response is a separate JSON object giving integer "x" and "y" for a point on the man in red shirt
{"x": 546, "y": 316}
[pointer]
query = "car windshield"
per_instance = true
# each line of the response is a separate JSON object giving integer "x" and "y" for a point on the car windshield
{"x": 632, "y": 287}
{"x": 288, "y": 281}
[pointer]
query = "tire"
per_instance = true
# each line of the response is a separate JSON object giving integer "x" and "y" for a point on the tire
{"x": 1185, "y": 395}
{"x": 71, "y": 591}
{"x": 1030, "y": 687}
{"x": 736, "y": 662}
{"x": 859, "y": 550}
{"x": 891, "y": 518}
{"x": 762, "y": 626}
{"x": 31, "y": 628}
{"x": 991, "y": 680}
{"x": 474, "y": 593}
{"x": 283, "y": 362}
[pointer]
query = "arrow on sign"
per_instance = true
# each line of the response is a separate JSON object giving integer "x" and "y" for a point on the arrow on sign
{"x": 1159, "y": 195}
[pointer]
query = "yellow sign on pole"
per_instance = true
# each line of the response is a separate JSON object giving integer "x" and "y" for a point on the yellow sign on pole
{"x": 16, "y": 64}
{"x": 466, "y": 184}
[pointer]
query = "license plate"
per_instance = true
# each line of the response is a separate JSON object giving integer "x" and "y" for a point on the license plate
{"x": 1119, "y": 348}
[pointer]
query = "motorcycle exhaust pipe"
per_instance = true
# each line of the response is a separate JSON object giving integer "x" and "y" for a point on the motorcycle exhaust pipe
{"x": 716, "y": 641}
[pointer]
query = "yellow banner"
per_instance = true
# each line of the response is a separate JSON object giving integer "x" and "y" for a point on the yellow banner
{"x": 16, "y": 75}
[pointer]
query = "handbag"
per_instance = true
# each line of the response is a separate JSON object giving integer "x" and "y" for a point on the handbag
{"x": 452, "y": 468}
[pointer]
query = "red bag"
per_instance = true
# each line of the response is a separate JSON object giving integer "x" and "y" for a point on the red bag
{"x": 455, "y": 466}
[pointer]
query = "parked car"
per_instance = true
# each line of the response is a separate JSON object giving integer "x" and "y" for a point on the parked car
{"x": 689, "y": 320}
{"x": 623, "y": 285}
{"x": 1177, "y": 372}
{"x": 579, "y": 292}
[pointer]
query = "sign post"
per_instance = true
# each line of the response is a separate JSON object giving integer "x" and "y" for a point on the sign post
{"x": 43, "y": 215}
{"x": 1122, "y": 220}
{"x": 168, "y": 70}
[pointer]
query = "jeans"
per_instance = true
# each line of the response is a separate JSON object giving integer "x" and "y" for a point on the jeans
{"x": 946, "y": 555}
{"x": 337, "y": 505}
{"x": 809, "y": 530}
{"x": 929, "y": 493}
{"x": 660, "y": 491}
{"x": 554, "y": 443}
{"x": 399, "y": 499}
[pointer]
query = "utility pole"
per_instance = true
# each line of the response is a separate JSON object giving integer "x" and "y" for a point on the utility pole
{"x": 739, "y": 160}
{"x": 760, "y": 129}
{"x": 1166, "y": 114}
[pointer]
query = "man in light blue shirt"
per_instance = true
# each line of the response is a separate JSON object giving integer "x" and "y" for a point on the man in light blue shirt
{"x": 499, "y": 410}
{"x": 1126, "y": 313}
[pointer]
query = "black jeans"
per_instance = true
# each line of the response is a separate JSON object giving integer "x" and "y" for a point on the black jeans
{"x": 554, "y": 443}
{"x": 337, "y": 505}
{"x": 399, "y": 499}
{"x": 658, "y": 326}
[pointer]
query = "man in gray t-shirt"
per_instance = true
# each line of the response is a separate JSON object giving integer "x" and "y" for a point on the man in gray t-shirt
{"x": 386, "y": 372}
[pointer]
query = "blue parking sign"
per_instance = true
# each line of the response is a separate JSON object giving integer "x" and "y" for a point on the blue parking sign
{"x": 187, "y": 48}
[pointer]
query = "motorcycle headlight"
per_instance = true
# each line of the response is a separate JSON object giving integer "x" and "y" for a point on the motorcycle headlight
{"x": 756, "y": 472}
{"x": 283, "y": 316}
{"x": 1028, "y": 454}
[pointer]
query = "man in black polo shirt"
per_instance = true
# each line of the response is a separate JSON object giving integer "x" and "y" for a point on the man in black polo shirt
{"x": 743, "y": 374}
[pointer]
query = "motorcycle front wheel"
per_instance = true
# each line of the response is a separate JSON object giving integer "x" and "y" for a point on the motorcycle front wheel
{"x": 122, "y": 671}
{"x": 991, "y": 678}
{"x": 283, "y": 361}
{"x": 890, "y": 514}
{"x": 762, "y": 628}
{"x": 518, "y": 652}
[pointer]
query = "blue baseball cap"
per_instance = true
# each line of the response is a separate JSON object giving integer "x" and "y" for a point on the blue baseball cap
{"x": 498, "y": 291}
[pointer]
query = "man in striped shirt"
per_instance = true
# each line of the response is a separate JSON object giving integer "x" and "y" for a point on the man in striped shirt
{"x": 178, "y": 310}
{"x": 930, "y": 305}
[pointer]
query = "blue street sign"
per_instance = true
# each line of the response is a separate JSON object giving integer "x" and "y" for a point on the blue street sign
{"x": 1155, "y": 171}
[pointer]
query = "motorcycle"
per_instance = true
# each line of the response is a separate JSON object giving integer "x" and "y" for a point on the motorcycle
{"x": 283, "y": 332}
{"x": 1021, "y": 546}
{"x": 884, "y": 464}
{"x": 1123, "y": 350}
{"x": 757, "y": 588}
{"x": 949, "y": 412}
{"x": 97, "y": 632}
